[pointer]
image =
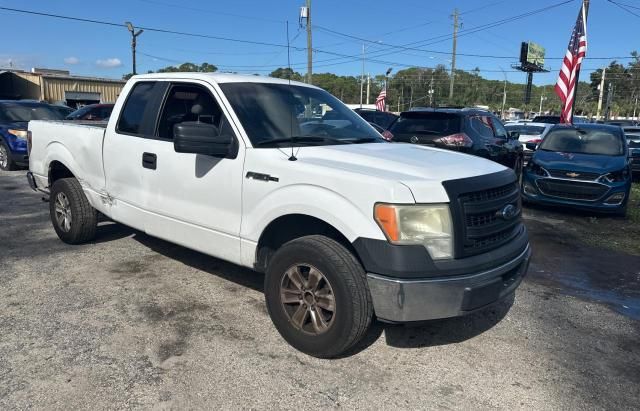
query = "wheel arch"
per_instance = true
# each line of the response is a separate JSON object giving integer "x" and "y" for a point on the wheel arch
{"x": 289, "y": 227}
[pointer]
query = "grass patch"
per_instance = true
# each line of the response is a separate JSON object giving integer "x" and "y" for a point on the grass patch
{"x": 615, "y": 233}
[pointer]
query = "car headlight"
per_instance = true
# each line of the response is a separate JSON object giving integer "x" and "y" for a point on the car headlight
{"x": 616, "y": 176}
{"x": 21, "y": 134}
{"x": 537, "y": 169}
{"x": 428, "y": 225}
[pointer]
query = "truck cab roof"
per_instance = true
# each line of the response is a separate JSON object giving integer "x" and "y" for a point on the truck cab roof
{"x": 219, "y": 78}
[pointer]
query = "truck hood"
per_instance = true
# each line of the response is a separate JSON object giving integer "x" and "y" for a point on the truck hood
{"x": 16, "y": 125}
{"x": 421, "y": 169}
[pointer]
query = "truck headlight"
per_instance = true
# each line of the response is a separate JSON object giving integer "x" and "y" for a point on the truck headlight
{"x": 429, "y": 225}
{"x": 21, "y": 134}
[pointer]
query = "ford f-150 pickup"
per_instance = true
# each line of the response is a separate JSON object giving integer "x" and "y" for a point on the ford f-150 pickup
{"x": 283, "y": 178}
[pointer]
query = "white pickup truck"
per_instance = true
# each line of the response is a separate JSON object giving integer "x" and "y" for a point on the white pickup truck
{"x": 283, "y": 178}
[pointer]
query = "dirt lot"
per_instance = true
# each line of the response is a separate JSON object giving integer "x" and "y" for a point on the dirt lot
{"x": 133, "y": 321}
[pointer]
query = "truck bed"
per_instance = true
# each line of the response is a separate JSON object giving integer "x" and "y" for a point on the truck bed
{"x": 76, "y": 144}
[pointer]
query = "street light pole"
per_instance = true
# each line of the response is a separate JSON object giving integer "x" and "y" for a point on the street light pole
{"x": 362, "y": 77}
{"x": 134, "y": 37}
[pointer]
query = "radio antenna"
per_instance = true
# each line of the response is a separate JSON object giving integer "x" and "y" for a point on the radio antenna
{"x": 293, "y": 156}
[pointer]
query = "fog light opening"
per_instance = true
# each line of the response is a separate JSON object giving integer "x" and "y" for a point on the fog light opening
{"x": 530, "y": 189}
{"x": 615, "y": 199}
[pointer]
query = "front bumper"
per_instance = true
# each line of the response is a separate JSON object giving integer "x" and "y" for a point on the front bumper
{"x": 532, "y": 193}
{"x": 406, "y": 300}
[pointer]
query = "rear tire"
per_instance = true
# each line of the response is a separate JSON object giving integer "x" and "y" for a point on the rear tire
{"x": 72, "y": 216}
{"x": 6, "y": 162}
{"x": 317, "y": 296}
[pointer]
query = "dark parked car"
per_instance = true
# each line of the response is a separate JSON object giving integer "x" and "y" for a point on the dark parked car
{"x": 382, "y": 118}
{"x": 64, "y": 110}
{"x": 471, "y": 131}
{"x": 582, "y": 166}
{"x": 14, "y": 117}
{"x": 621, "y": 123}
{"x": 633, "y": 140}
{"x": 92, "y": 112}
{"x": 547, "y": 119}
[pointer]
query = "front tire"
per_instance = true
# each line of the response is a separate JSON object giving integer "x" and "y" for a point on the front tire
{"x": 72, "y": 216}
{"x": 6, "y": 162}
{"x": 317, "y": 296}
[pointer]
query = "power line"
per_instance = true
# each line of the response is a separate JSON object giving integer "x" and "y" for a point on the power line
{"x": 153, "y": 29}
{"x": 625, "y": 7}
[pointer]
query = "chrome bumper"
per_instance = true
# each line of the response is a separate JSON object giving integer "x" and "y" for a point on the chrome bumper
{"x": 399, "y": 300}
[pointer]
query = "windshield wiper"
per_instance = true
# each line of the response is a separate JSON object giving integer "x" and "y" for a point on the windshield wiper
{"x": 365, "y": 140}
{"x": 301, "y": 140}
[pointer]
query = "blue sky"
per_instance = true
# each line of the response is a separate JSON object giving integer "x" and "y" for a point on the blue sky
{"x": 89, "y": 49}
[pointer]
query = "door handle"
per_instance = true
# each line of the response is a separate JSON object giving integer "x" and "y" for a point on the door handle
{"x": 149, "y": 160}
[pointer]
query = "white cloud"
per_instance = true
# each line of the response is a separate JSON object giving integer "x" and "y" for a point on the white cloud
{"x": 71, "y": 60}
{"x": 109, "y": 63}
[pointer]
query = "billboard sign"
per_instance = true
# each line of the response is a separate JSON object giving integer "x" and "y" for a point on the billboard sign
{"x": 532, "y": 55}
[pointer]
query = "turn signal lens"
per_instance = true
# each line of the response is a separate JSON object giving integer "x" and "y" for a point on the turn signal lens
{"x": 385, "y": 215}
{"x": 387, "y": 135}
{"x": 21, "y": 134}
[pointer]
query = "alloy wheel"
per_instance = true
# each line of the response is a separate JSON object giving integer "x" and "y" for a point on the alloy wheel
{"x": 4, "y": 156}
{"x": 307, "y": 299}
{"x": 63, "y": 212}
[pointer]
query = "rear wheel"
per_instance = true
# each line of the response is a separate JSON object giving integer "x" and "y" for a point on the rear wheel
{"x": 317, "y": 296}
{"x": 6, "y": 163}
{"x": 72, "y": 216}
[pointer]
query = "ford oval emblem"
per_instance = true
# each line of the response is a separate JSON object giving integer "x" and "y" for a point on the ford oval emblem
{"x": 508, "y": 212}
{"x": 414, "y": 139}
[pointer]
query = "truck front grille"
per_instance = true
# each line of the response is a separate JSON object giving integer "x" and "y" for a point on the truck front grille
{"x": 480, "y": 215}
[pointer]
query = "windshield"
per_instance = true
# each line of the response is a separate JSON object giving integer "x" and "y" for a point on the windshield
{"x": 26, "y": 112}
{"x": 590, "y": 141}
{"x": 277, "y": 112}
{"x": 525, "y": 130}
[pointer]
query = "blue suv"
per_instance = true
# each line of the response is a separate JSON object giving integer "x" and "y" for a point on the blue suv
{"x": 14, "y": 118}
{"x": 582, "y": 166}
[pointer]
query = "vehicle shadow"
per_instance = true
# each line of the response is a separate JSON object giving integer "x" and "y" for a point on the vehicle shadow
{"x": 416, "y": 335}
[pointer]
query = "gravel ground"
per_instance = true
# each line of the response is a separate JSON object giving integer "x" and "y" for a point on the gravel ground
{"x": 130, "y": 321}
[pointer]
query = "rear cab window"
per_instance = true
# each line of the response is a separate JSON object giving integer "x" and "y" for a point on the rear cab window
{"x": 434, "y": 123}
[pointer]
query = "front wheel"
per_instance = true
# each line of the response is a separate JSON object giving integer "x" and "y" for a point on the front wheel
{"x": 6, "y": 162}
{"x": 317, "y": 296}
{"x": 72, "y": 216}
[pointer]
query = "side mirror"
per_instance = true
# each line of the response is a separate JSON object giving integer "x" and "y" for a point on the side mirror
{"x": 201, "y": 138}
{"x": 532, "y": 146}
{"x": 514, "y": 135}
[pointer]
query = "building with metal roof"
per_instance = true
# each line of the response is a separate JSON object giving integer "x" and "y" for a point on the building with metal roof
{"x": 58, "y": 86}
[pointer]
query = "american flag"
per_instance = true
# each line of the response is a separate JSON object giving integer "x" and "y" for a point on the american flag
{"x": 380, "y": 101}
{"x": 566, "y": 85}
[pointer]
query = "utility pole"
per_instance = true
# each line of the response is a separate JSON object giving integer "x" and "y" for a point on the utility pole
{"x": 368, "y": 87}
{"x": 431, "y": 91}
{"x": 607, "y": 110}
{"x": 362, "y": 77}
{"x": 453, "y": 56}
{"x": 134, "y": 37}
{"x": 604, "y": 72}
{"x": 309, "y": 46}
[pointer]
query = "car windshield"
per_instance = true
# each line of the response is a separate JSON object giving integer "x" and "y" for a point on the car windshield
{"x": 13, "y": 112}
{"x": 525, "y": 130}
{"x": 282, "y": 113}
{"x": 584, "y": 141}
{"x": 414, "y": 122}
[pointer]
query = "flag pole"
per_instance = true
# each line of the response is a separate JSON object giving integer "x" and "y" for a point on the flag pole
{"x": 585, "y": 7}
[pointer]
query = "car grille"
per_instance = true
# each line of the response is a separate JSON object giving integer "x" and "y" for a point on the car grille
{"x": 485, "y": 229}
{"x": 574, "y": 175}
{"x": 572, "y": 190}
